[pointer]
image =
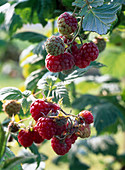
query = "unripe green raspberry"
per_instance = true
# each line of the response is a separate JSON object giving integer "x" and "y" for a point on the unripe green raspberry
{"x": 11, "y": 107}
{"x": 67, "y": 24}
{"x": 55, "y": 45}
{"x": 101, "y": 43}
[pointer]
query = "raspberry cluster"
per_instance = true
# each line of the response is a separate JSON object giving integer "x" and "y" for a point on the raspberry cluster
{"x": 63, "y": 51}
{"x": 52, "y": 123}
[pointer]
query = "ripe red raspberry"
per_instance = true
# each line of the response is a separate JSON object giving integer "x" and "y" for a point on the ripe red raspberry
{"x": 60, "y": 124}
{"x": 59, "y": 63}
{"x": 25, "y": 138}
{"x": 53, "y": 63}
{"x": 55, "y": 45}
{"x": 66, "y": 23}
{"x": 73, "y": 138}
{"x": 61, "y": 147}
{"x": 89, "y": 51}
{"x": 83, "y": 131}
{"x": 11, "y": 107}
{"x": 36, "y": 137}
{"x": 80, "y": 61}
{"x": 46, "y": 127}
{"x": 41, "y": 107}
{"x": 87, "y": 116}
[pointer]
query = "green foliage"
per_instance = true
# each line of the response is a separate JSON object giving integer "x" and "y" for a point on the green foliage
{"x": 100, "y": 16}
{"x": 11, "y": 162}
{"x": 2, "y": 17}
{"x": 75, "y": 163}
{"x": 40, "y": 157}
{"x": 2, "y": 141}
{"x": 60, "y": 92}
{"x": 30, "y": 36}
{"x": 7, "y": 164}
{"x": 85, "y": 100}
{"x": 33, "y": 78}
{"x": 10, "y": 93}
{"x": 15, "y": 24}
{"x": 80, "y": 72}
{"x": 105, "y": 145}
{"x": 2, "y": 2}
{"x": 105, "y": 115}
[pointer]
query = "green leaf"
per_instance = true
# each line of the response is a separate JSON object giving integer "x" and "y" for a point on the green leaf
{"x": 119, "y": 1}
{"x": 40, "y": 49}
{"x": 2, "y": 17}
{"x": 26, "y": 105}
{"x": 120, "y": 158}
{"x": 11, "y": 162}
{"x": 2, "y": 43}
{"x": 105, "y": 145}
{"x": 85, "y": 100}
{"x": 46, "y": 10}
{"x": 80, "y": 72}
{"x": 40, "y": 157}
{"x": 26, "y": 93}
{"x": 2, "y": 2}
{"x": 2, "y": 141}
{"x": 99, "y": 19}
{"x": 9, "y": 154}
{"x": 27, "y": 11}
{"x": 15, "y": 23}
{"x": 10, "y": 93}
{"x": 30, "y": 60}
{"x": 33, "y": 78}
{"x": 75, "y": 163}
{"x": 32, "y": 37}
{"x": 79, "y": 3}
{"x": 47, "y": 82}
{"x": 60, "y": 92}
{"x": 94, "y": 3}
{"x": 105, "y": 115}
{"x": 59, "y": 159}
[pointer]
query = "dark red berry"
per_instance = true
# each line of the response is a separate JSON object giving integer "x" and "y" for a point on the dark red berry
{"x": 46, "y": 127}
{"x": 73, "y": 138}
{"x": 87, "y": 116}
{"x": 25, "y": 138}
{"x": 36, "y": 137}
{"x": 80, "y": 61}
{"x": 41, "y": 107}
{"x": 59, "y": 63}
{"x": 89, "y": 51}
{"x": 61, "y": 147}
{"x": 67, "y": 24}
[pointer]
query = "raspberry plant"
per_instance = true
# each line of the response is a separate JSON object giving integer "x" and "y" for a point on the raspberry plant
{"x": 60, "y": 59}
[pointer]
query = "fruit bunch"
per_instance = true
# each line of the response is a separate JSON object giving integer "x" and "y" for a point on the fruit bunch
{"x": 52, "y": 123}
{"x": 63, "y": 51}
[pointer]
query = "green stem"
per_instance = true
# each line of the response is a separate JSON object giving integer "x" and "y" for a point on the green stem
{"x": 77, "y": 31}
{"x": 74, "y": 11}
{"x": 53, "y": 26}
